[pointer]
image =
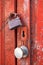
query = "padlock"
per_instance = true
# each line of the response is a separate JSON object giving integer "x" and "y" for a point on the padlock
{"x": 21, "y": 52}
{"x": 14, "y": 22}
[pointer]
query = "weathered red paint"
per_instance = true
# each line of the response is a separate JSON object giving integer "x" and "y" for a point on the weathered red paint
{"x": 23, "y": 41}
{"x": 23, "y": 9}
{"x": 37, "y": 32}
{"x": 7, "y": 36}
{"x": 7, "y": 41}
{"x": 40, "y": 33}
{"x": 20, "y": 39}
{"x": 0, "y": 33}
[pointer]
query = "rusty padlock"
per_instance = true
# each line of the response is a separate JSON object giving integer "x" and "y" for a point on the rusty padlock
{"x": 14, "y": 21}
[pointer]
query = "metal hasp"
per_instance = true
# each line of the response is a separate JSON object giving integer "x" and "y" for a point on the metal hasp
{"x": 21, "y": 52}
{"x": 14, "y": 22}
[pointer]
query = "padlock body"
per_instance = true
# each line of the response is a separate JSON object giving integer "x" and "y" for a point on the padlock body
{"x": 14, "y": 23}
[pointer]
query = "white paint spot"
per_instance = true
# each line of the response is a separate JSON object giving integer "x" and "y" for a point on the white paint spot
{"x": 36, "y": 2}
{"x": 38, "y": 47}
{"x": 27, "y": 63}
{"x": 35, "y": 63}
{"x": 24, "y": 7}
{"x": 25, "y": 4}
{"x": 42, "y": 49}
{"x": 36, "y": 41}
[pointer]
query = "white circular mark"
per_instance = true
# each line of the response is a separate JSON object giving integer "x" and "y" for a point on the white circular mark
{"x": 38, "y": 47}
{"x": 42, "y": 49}
{"x": 18, "y": 53}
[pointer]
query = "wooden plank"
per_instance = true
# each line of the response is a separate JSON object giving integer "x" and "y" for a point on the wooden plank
{"x": 37, "y": 32}
{"x": 8, "y": 36}
{"x": 23, "y": 9}
{"x": 40, "y": 33}
{"x": 0, "y": 32}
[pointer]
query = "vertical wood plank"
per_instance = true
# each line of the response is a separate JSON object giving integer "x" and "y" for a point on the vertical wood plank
{"x": 23, "y": 9}
{"x": 37, "y": 32}
{"x": 9, "y": 34}
{"x": 0, "y": 32}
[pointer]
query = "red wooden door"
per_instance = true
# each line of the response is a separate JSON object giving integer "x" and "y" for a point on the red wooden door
{"x": 31, "y": 13}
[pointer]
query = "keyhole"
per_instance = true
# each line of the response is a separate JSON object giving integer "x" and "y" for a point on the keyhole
{"x": 23, "y": 34}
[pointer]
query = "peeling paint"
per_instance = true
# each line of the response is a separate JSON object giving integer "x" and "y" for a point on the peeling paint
{"x": 25, "y": 5}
